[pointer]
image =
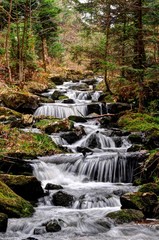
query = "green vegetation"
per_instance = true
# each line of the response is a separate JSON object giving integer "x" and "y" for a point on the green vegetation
{"x": 13, "y": 205}
{"x": 139, "y": 122}
{"x": 17, "y": 142}
{"x": 126, "y": 216}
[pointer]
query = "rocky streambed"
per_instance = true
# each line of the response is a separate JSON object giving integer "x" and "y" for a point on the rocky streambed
{"x": 83, "y": 187}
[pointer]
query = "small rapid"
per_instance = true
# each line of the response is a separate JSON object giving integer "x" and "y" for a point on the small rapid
{"x": 94, "y": 172}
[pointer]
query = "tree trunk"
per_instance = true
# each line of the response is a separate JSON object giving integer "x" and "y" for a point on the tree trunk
{"x": 108, "y": 18}
{"x": 44, "y": 52}
{"x": 7, "y": 47}
{"x": 139, "y": 52}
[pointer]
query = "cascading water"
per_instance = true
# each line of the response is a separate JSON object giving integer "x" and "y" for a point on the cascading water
{"x": 95, "y": 173}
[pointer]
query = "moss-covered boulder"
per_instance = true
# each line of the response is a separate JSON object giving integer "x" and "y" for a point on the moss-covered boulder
{"x": 145, "y": 202}
{"x": 20, "y": 101}
{"x": 12, "y": 204}
{"x": 54, "y": 125}
{"x": 77, "y": 118}
{"x": 3, "y": 222}
{"x": 7, "y": 114}
{"x": 19, "y": 144}
{"x": 57, "y": 95}
{"x": 126, "y": 216}
{"x": 28, "y": 187}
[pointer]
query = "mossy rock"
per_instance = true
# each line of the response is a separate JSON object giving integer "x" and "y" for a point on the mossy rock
{"x": 145, "y": 202}
{"x": 150, "y": 187}
{"x": 55, "y": 125}
{"x": 12, "y": 204}
{"x": 126, "y": 216}
{"x": 28, "y": 187}
{"x": 77, "y": 118}
{"x": 20, "y": 101}
{"x": 19, "y": 144}
{"x": 139, "y": 122}
{"x": 3, "y": 222}
{"x": 9, "y": 113}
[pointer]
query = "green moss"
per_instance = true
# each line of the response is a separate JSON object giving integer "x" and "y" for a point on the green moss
{"x": 19, "y": 143}
{"x": 54, "y": 125}
{"x": 126, "y": 215}
{"x": 12, "y": 204}
{"x": 139, "y": 122}
{"x": 43, "y": 123}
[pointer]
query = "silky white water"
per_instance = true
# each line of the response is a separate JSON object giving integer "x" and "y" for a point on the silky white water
{"x": 95, "y": 180}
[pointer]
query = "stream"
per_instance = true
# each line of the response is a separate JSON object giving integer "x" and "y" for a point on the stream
{"x": 95, "y": 179}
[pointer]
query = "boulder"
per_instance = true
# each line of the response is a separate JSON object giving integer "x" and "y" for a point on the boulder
{"x": 70, "y": 137}
{"x": 9, "y": 115}
{"x": 57, "y": 79}
{"x": 50, "y": 186}
{"x": 61, "y": 198}
{"x": 12, "y": 204}
{"x": 118, "y": 107}
{"x": 126, "y": 216}
{"x": 3, "y": 222}
{"x": 15, "y": 166}
{"x": 59, "y": 126}
{"x": 20, "y": 101}
{"x": 145, "y": 202}
{"x": 77, "y": 119}
{"x": 53, "y": 226}
{"x": 57, "y": 95}
{"x": 30, "y": 238}
{"x": 68, "y": 101}
{"x": 28, "y": 187}
{"x": 93, "y": 108}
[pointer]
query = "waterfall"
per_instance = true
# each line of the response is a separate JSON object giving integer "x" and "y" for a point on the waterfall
{"x": 95, "y": 171}
{"x": 60, "y": 110}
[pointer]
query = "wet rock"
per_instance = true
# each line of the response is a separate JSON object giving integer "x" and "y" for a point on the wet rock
{"x": 53, "y": 226}
{"x": 77, "y": 119}
{"x": 69, "y": 101}
{"x": 12, "y": 204}
{"x": 105, "y": 121}
{"x": 126, "y": 216}
{"x": 3, "y": 222}
{"x": 28, "y": 187}
{"x": 15, "y": 166}
{"x": 84, "y": 150}
{"x": 70, "y": 137}
{"x": 61, "y": 198}
{"x": 145, "y": 202}
{"x": 93, "y": 108}
{"x": 50, "y": 186}
{"x": 30, "y": 238}
{"x": 55, "y": 95}
{"x": 39, "y": 231}
{"x": 104, "y": 223}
